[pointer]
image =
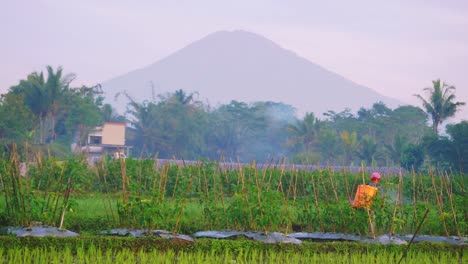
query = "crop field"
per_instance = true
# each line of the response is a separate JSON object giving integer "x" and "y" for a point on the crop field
{"x": 186, "y": 198}
{"x": 95, "y": 255}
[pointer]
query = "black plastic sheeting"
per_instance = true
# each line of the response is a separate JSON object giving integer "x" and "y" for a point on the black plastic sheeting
{"x": 144, "y": 232}
{"x": 318, "y": 236}
{"x": 454, "y": 240}
{"x": 270, "y": 237}
{"x": 297, "y": 238}
{"x": 38, "y": 231}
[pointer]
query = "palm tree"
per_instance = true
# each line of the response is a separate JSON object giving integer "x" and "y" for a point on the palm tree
{"x": 181, "y": 97}
{"x": 305, "y": 133}
{"x": 46, "y": 98}
{"x": 145, "y": 119}
{"x": 34, "y": 95}
{"x": 440, "y": 105}
{"x": 56, "y": 87}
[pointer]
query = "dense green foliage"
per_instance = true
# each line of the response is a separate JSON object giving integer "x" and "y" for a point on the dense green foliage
{"x": 47, "y": 112}
{"x": 141, "y": 193}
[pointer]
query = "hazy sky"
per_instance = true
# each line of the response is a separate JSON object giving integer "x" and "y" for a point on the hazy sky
{"x": 394, "y": 47}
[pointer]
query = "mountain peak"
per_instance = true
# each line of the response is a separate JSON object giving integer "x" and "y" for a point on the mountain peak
{"x": 244, "y": 66}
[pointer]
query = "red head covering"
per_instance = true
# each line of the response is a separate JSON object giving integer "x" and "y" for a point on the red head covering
{"x": 375, "y": 176}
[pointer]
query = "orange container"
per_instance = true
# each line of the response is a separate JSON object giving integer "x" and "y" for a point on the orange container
{"x": 364, "y": 195}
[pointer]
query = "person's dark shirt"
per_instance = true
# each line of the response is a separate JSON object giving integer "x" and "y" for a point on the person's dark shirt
{"x": 378, "y": 186}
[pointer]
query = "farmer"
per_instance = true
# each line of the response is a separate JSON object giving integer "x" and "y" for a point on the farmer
{"x": 366, "y": 193}
{"x": 375, "y": 182}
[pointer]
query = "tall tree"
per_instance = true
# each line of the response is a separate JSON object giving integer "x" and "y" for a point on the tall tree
{"x": 367, "y": 149}
{"x": 109, "y": 114}
{"x": 84, "y": 113}
{"x": 46, "y": 98}
{"x": 184, "y": 121}
{"x": 304, "y": 134}
{"x": 440, "y": 104}
{"x": 16, "y": 120}
{"x": 144, "y": 118}
{"x": 459, "y": 135}
{"x": 32, "y": 89}
{"x": 329, "y": 144}
{"x": 233, "y": 127}
{"x": 450, "y": 152}
{"x": 172, "y": 126}
{"x": 395, "y": 151}
{"x": 412, "y": 157}
{"x": 350, "y": 145}
{"x": 57, "y": 88}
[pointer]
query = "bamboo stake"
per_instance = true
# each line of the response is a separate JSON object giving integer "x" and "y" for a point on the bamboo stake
{"x": 215, "y": 196}
{"x": 57, "y": 196}
{"x": 246, "y": 197}
{"x": 280, "y": 184}
{"x": 123, "y": 170}
{"x": 268, "y": 185}
{"x": 184, "y": 201}
{"x": 415, "y": 198}
{"x": 369, "y": 215}
{"x": 304, "y": 194}
{"x": 101, "y": 195}
{"x": 450, "y": 196}
{"x": 350, "y": 198}
{"x": 259, "y": 200}
{"x": 157, "y": 172}
{"x": 421, "y": 185}
{"x": 330, "y": 173}
{"x": 21, "y": 190}
{"x": 327, "y": 198}
{"x": 205, "y": 185}
{"x": 316, "y": 202}
{"x": 218, "y": 197}
{"x": 439, "y": 203}
{"x": 175, "y": 184}
{"x": 163, "y": 182}
{"x": 5, "y": 191}
{"x": 414, "y": 235}
{"x": 348, "y": 193}
{"x": 16, "y": 184}
{"x": 397, "y": 203}
{"x": 294, "y": 195}
{"x": 265, "y": 172}
{"x": 286, "y": 198}
{"x": 9, "y": 200}
{"x": 65, "y": 201}
{"x": 106, "y": 184}
{"x": 290, "y": 186}
{"x": 224, "y": 209}
{"x": 324, "y": 187}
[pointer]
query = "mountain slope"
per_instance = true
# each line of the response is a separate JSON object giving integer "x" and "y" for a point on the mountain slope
{"x": 243, "y": 66}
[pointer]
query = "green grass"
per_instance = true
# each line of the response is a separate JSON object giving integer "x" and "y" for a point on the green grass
{"x": 92, "y": 205}
{"x": 95, "y": 255}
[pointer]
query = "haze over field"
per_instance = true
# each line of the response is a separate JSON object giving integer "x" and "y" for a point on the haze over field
{"x": 393, "y": 47}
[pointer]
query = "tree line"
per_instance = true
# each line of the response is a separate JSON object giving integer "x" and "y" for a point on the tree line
{"x": 47, "y": 112}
